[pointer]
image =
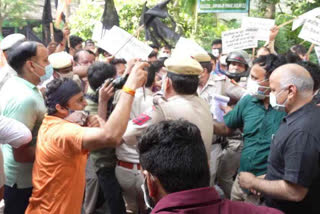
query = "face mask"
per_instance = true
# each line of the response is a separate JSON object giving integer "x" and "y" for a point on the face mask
{"x": 216, "y": 52}
{"x": 66, "y": 75}
{"x": 256, "y": 90}
{"x": 77, "y": 116}
{"x": 274, "y": 104}
{"x": 147, "y": 199}
{"x": 48, "y": 72}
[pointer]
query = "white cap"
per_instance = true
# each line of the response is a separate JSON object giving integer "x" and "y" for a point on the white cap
{"x": 11, "y": 40}
{"x": 60, "y": 60}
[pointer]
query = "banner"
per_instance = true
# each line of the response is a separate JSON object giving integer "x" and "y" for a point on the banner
{"x": 121, "y": 44}
{"x": 239, "y": 39}
{"x": 310, "y": 31}
{"x": 223, "y": 6}
{"x": 263, "y": 26}
{"x": 302, "y": 18}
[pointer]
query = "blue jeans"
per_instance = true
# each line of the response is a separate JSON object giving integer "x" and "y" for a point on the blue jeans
{"x": 16, "y": 200}
{"x": 111, "y": 190}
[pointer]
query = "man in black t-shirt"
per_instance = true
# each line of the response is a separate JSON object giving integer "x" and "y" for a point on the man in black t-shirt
{"x": 293, "y": 176}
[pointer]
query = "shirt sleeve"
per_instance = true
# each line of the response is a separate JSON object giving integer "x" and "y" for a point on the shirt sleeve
{"x": 234, "y": 118}
{"x": 13, "y": 132}
{"x": 137, "y": 125}
{"x": 301, "y": 158}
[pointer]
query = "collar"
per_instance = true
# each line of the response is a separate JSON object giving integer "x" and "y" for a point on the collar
{"x": 290, "y": 118}
{"x": 188, "y": 198}
{"x": 25, "y": 82}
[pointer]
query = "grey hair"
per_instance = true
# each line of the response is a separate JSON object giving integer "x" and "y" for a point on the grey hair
{"x": 303, "y": 83}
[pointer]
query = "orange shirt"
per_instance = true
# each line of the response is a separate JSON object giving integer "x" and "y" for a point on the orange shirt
{"x": 58, "y": 175}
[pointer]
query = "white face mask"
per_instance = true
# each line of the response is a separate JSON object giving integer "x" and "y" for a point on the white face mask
{"x": 66, "y": 75}
{"x": 274, "y": 104}
{"x": 216, "y": 52}
{"x": 256, "y": 90}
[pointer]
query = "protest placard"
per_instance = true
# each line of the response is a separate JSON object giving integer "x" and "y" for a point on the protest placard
{"x": 121, "y": 44}
{"x": 239, "y": 39}
{"x": 187, "y": 47}
{"x": 311, "y": 30}
{"x": 317, "y": 50}
{"x": 98, "y": 32}
{"x": 263, "y": 26}
{"x": 302, "y": 18}
{"x": 216, "y": 101}
{"x": 224, "y": 6}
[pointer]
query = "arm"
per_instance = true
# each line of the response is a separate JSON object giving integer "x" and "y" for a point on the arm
{"x": 111, "y": 133}
{"x": 221, "y": 129}
{"x": 279, "y": 189}
{"x": 273, "y": 34}
{"x": 25, "y": 153}
{"x": 62, "y": 45}
{"x": 105, "y": 93}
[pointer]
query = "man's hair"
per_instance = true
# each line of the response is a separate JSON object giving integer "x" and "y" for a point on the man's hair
{"x": 20, "y": 53}
{"x": 152, "y": 70}
{"x": 118, "y": 61}
{"x": 184, "y": 84}
{"x": 154, "y": 46}
{"x": 216, "y": 42}
{"x": 98, "y": 72}
{"x": 75, "y": 40}
{"x": 153, "y": 54}
{"x": 314, "y": 71}
{"x": 207, "y": 65}
{"x": 168, "y": 47}
{"x": 88, "y": 41}
{"x": 270, "y": 63}
{"x": 77, "y": 54}
{"x": 59, "y": 92}
{"x": 174, "y": 152}
{"x": 298, "y": 49}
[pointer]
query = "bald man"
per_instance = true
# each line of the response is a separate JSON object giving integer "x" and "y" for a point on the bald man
{"x": 292, "y": 181}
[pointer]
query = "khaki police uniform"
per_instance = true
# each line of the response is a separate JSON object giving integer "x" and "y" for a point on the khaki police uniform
{"x": 223, "y": 163}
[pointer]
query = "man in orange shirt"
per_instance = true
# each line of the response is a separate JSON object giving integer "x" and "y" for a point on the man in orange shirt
{"x": 59, "y": 170}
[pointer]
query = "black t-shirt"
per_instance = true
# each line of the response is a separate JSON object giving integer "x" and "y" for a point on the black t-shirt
{"x": 294, "y": 157}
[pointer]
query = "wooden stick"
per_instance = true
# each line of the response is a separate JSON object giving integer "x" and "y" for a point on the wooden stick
{"x": 286, "y": 23}
{"x": 66, "y": 24}
{"x": 51, "y": 32}
{"x": 301, "y": 43}
{"x": 310, "y": 50}
{"x": 253, "y": 53}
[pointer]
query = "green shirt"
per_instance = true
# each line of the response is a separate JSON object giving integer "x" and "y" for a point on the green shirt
{"x": 102, "y": 157}
{"x": 259, "y": 125}
{"x": 21, "y": 100}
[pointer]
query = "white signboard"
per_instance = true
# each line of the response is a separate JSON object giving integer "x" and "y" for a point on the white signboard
{"x": 239, "y": 39}
{"x": 121, "y": 44}
{"x": 308, "y": 15}
{"x": 215, "y": 103}
{"x": 317, "y": 50}
{"x": 311, "y": 31}
{"x": 263, "y": 26}
{"x": 187, "y": 47}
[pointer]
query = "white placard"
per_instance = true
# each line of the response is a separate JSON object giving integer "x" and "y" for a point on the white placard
{"x": 311, "y": 31}
{"x": 317, "y": 50}
{"x": 308, "y": 15}
{"x": 215, "y": 103}
{"x": 187, "y": 47}
{"x": 121, "y": 44}
{"x": 239, "y": 39}
{"x": 263, "y": 25}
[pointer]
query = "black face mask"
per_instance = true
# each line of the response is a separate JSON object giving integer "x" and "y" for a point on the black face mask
{"x": 147, "y": 199}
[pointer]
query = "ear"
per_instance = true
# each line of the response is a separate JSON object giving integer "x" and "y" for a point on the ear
{"x": 168, "y": 83}
{"x": 55, "y": 75}
{"x": 152, "y": 187}
{"x": 29, "y": 65}
{"x": 292, "y": 91}
{"x": 61, "y": 110}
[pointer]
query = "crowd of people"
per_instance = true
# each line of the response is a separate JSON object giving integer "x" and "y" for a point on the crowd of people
{"x": 85, "y": 132}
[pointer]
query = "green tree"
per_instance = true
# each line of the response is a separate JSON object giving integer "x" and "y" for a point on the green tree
{"x": 12, "y": 10}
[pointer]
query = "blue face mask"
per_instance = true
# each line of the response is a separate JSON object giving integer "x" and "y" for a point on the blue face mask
{"x": 48, "y": 72}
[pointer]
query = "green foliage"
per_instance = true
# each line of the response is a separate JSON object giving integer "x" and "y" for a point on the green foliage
{"x": 83, "y": 20}
{"x": 11, "y": 10}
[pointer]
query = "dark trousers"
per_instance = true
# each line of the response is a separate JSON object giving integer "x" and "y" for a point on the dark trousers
{"x": 111, "y": 190}
{"x": 16, "y": 200}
